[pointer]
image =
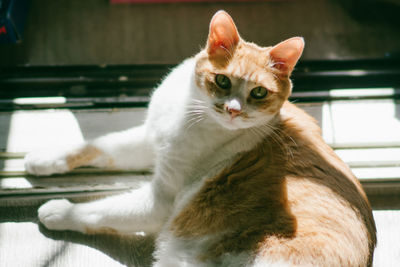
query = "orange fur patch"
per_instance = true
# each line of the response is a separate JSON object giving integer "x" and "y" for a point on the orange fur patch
{"x": 102, "y": 230}
{"x": 82, "y": 157}
{"x": 289, "y": 199}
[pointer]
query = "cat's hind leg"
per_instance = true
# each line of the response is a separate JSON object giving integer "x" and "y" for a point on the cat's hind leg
{"x": 143, "y": 209}
{"x": 128, "y": 149}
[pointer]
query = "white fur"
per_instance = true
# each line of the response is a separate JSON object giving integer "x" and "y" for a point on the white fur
{"x": 46, "y": 162}
{"x": 184, "y": 140}
{"x": 234, "y": 104}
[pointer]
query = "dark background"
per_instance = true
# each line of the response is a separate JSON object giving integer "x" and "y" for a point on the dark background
{"x": 94, "y": 32}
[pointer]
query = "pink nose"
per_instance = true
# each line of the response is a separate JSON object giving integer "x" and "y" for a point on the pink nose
{"x": 233, "y": 112}
{"x": 233, "y": 107}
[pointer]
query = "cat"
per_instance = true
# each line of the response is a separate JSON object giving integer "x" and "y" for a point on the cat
{"x": 241, "y": 177}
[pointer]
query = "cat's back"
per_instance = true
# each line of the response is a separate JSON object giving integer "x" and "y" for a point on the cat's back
{"x": 168, "y": 104}
{"x": 174, "y": 91}
{"x": 334, "y": 224}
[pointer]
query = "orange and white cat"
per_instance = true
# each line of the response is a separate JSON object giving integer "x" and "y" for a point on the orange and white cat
{"x": 241, "y": 176}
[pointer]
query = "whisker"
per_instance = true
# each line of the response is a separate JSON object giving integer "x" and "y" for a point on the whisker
{"x": 193, "y": 118}
{"x": 287, "y": 144}
{"x": 194, "y": 123}
{"x": 198, "y": 101}
{"x": 275, "y": 134}
{"x": 194, "y": 112}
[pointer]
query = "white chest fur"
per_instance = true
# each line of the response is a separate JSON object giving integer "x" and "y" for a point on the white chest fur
{"x": 189, "y": 144}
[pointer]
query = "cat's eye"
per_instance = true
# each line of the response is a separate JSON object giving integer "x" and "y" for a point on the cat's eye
{"x": 259, "y": 92}
{"x": 223, "y": 82}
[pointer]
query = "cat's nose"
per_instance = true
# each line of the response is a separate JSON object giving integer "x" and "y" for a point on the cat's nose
{"x": 233, "y": 107}
{"x": 234, "y": 112}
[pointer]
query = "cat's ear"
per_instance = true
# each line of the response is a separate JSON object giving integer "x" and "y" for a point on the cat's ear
{"x": 223, "y": 36}
{"x": 285, "y": 55}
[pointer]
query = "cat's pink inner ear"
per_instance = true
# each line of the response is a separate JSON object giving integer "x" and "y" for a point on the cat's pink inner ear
{"x": 285, "y": 55}
{"x": 223, "y": 36}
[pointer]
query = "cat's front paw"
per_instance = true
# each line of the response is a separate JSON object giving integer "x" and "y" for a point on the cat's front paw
{"x": 56, "y": 214}
{"x": 46, "y": 163}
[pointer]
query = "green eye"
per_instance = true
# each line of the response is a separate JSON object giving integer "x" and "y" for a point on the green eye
{"x": 259, "y": 92}
{"x": 222, "y": 81}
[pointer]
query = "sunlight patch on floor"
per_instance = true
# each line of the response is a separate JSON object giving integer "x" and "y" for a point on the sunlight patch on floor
{"x": 37, "y": 130}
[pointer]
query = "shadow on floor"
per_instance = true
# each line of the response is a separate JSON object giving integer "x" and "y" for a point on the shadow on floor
{"x": 127, "y": 250}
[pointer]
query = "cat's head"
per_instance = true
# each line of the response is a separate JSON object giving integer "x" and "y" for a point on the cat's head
{"x": 243, "y": 84}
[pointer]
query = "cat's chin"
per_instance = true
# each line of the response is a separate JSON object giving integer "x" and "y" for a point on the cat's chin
{"x": 234, "y": 124}
{"x": 239, "y": 123}
{"x": 231, "y": 127}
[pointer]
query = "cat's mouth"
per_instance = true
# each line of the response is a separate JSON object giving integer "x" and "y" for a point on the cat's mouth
{"x": 231, "y": 120}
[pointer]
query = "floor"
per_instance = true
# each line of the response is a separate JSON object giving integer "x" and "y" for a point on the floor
{"x": 59, "y": 249}
{"x": 363, "y": 132}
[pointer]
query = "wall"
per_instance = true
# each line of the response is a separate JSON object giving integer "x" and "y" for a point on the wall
{"x": 95, "y": 32}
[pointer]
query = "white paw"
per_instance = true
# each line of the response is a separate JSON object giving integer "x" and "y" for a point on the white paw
{"x": 46, "y": 162}
{"x": 56, "y": 214}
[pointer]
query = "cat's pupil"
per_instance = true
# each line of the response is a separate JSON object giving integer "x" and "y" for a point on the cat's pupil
{"x": 222, "y": 81}
{"x": 259, "y": 92}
